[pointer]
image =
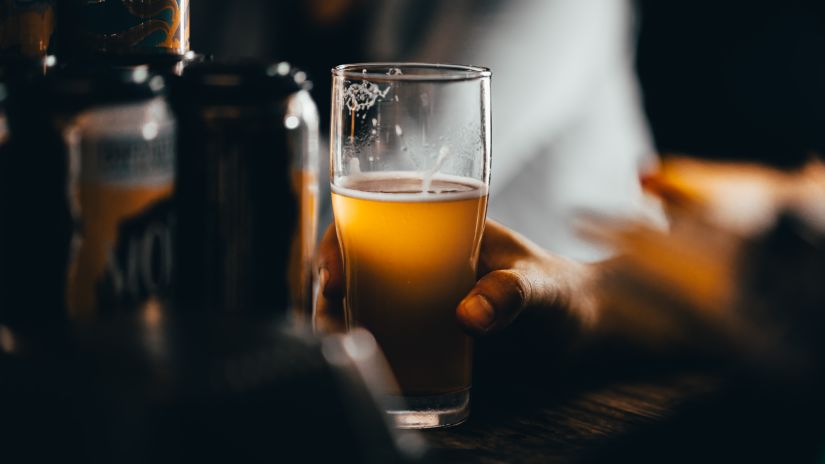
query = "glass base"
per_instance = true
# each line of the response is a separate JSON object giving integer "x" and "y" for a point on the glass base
{"x": 429, "y": 412}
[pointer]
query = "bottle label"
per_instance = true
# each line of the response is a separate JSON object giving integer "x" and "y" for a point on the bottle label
{"x": 122, "y": 251}
{"x": 134, "y": 26}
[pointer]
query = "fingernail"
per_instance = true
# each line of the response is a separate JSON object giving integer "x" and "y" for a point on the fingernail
{"x": 480, "y": 310}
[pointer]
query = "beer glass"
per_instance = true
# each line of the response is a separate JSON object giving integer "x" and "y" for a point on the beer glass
{"x": 410, "y": 158}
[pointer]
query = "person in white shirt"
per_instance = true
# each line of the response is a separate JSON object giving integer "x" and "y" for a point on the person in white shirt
{"x": 569, "y": 136}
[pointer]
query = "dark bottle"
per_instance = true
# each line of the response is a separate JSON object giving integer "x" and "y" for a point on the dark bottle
{"x": 126, "y": 33}
{"x": 247, "y": 179}
{"x": 86, "y": 175}
{"x": 35, "y": 222}
{"x": 26, "y": 28}
{"x": 122, "y": 242}
{"x": 133, "y": 28}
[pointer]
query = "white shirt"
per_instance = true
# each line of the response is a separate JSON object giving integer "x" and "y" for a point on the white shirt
{"x": 568, "y": 132}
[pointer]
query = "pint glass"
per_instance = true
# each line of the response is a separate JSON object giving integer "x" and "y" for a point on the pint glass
{"x": 410, "y": 149}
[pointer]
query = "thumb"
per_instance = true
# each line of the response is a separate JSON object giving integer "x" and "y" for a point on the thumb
{"x": 497, "y": 299}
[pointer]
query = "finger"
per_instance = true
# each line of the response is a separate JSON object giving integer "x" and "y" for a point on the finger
{"x": 328, "y": 314}
{"x": 502, "y": 247}
{"x": 495, "y": 301}
{"x": 329, "y": 260}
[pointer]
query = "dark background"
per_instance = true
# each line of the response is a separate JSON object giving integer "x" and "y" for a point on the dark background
{"x": 735, "y": 79}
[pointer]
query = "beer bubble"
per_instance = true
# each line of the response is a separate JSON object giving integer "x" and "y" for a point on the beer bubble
{"x": 374, "y": 122}
{"x": 405, "y": 186}
{"x": 398, "y": 130}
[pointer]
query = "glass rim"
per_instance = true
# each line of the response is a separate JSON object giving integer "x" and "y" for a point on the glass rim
{"x": 434, "y": 72}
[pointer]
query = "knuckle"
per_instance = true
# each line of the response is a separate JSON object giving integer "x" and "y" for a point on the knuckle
{"x": 516, "y": 286}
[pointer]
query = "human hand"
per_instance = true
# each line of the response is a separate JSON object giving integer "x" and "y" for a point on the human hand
{"x": 515, "y": 277}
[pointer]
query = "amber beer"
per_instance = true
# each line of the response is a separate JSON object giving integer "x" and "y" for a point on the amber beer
{"x": 409, "y": 258}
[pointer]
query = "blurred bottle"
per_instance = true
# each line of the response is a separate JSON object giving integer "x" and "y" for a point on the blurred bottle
{"x": 124, "y": 28}
{"x": 26, "y": 28}
{"x": 246, "y": 190}
{"x": 92, "y": 234}
{"x": 126, "y": 33}
{"x": 35, "y": 222}
{"x": 155, "y": 387}
{"x": 125, "y": 147}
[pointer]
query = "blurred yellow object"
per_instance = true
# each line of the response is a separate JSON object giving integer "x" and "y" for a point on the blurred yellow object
{"x": 671, "y": 287}
{"x": 690, "y": 283}
{"x": 744, "y": 198}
